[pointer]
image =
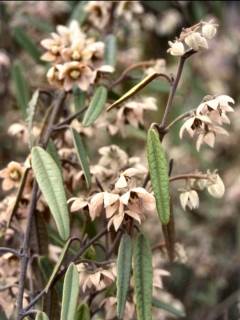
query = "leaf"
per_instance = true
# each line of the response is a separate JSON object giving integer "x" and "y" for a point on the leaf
{"x": 41, "y": 316}
{"x": 83, "y": 312}
{"x": 70, "y": 293}
{"x": 110, "y": 50}
{"x": 142, "y": 271}
{"x": 52, "y": 150}
{"x": 96, "y": 106}
{"x": 82, "y": 155}
{"x": 58, "y": 265}
{"x": 79, "y": 13}
{"x": 124, "y": 265}
{"x": 21, "y": 87}
{"x": 134, "y": 90}
{"x": 31, "y": 112}
{"x": 158, "y": 168}
{"x": 79, "y": 99}
{"x": 167, "y": 307}
{"x": 26, "y": 43}
{"x": 50, "y": 182}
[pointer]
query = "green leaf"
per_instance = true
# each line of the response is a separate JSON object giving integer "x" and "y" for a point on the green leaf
{"x": 79, "y": 99}
{"x": 124, "y": 265}
{"x": 142, "y": 271}
{"x": 50, "y": 181}
{"x": 83, "y": 312}
{"x": 110, "y": 50}
{"x": 21, "y": 87}
{"x": 167, "y": 307}
{"x": 82, "y": 155}
{"x": 96, "y": 106}
{"x": 41, "y": 316}
{"x": 70, "y": 293}
{"x": 26, "y": 43}
{"x": 52, "y": 150}
{"x": 79, "y": 13}
{"x": 158, "y": 168}
{"x": 31, "y": 112}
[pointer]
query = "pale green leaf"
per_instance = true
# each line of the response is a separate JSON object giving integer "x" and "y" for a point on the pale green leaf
{"x": 79, "y": 99}
{"x": 30, "y": 116}
{"x": 82, "y": 155}
{"x": 158, "y": 168}
{"x": 50, "y": 182}
{"x": 41, "y": 316}
{"x": 124, "y": 265}
{"x": 79, "y": 13}
{"x": 142, "y": 271}
{"x": 96, "y": 106}
{"x": 167, "y": 307}
{"x": 52, "y": 150}
{"x": 110, "y": 50}
{"x": 83, "y": 312}
{"x": 21, "y": 87}
{"x": 70, "y": 293}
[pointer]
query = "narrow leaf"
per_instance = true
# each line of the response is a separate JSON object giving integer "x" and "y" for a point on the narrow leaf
{"x": 70, "y": 293}
{"x": 82, "y": 155}
{"x": 79, "y": 13}
{"x": 124, "y": 265}
{"x": 142, "y": 271}
{"x": 96, "y": 106}
{"x": 83, "y": 312}
{"x": 134, "y": 90}
{"x": 111, "y": 50}
{"x": 41, "y": 316}
{"x": 30, "y": 115}
{"x": 50, "y": 181}
{"x": 158, "y": 168}
{"x": 167, "y": 307}
{"x": 79, "y": 99}
{"x": 26, "y": 43}
{"x": 52, "y": 150}
{"x": 21, "y": 88}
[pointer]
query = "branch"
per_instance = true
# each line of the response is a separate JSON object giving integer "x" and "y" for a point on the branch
{"x": 189, "y": 176}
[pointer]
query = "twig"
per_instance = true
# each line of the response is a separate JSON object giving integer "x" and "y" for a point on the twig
{"x": 71, "y": 117}
{"x": 4, "y": 250}
{"x": 180, "y": 117}
{"x": 189, "y": 176}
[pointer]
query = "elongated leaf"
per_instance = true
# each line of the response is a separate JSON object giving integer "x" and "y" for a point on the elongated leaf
{"x": 111, "y": 50}
{"x": 82, "y": 155}
{"x": 70, "y": 293}
{"x": 83, "y": 312}
{"x": 52, "y": 150}
{"x": 158, "y": 168}
{"x": 26, "y": 43}
{"x": 167, "y": 307}
{"x": 79, "y": 99}
{"x": 50, "y": 182}
{"x": 21, "y": 87}
{"x": 142, "y": 271}
{"x": 79, "y": 13}
{"x": 41, "y": 316}
{"x": 124, "y": 265}
{"x": 96, "y": 106}
{"x": 134, "y": 90}
{"x": 30, "y": 115}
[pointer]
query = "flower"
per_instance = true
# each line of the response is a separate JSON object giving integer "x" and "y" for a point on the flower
{"x": 189, "y": 198}
{"x": 113, "y": 157}
{"x": 11, "y": 175}
{"x": 209, "y": 29}
{"x": 193, "y": 123}
{"x": 98, "y": 13}
{"x": 195, "y": 41}
{"x": 176, "y": 48}
{"x": 110, "y": 305}
{"x": 215, "y": 186}
{"x": 127, "y": 9}
{"x": 96, "y": 279}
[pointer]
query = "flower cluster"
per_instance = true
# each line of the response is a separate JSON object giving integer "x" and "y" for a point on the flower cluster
{"x": 75, "y": 58}
{"x": 206, "y": 121}
{"x": 11, "y": 175}
{"x": 194, "y": 37}
{"x": 211, "y": 181}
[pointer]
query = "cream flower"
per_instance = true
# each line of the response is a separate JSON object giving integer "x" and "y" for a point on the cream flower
{"x": 176, "y": 48}
{"x": 220, "y": 103}
{"x": 127, "y": 9}
{"x": 209, "y": 29}
{"x": 11, "y": 175}
{"x": 208, "y": 136}
{"x": 113, "y": 157}
{"x": 195, "y": 41}
{"x": 193, "y": 123}
{"x": 189, "y": 198}
{"x": 98, "y": 13}
{"x": 96, "y": 279}
{"x": 215, "y": 186}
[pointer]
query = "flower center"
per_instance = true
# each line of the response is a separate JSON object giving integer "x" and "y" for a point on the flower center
{"x": 74, "y": 74}
{"x": 76, "y": 55}
{"x": 15, "y": 175}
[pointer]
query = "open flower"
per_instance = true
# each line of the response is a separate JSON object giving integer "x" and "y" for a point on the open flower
{"x": 193, "y": 124}
{"x": 189, "y": 198}
{"x": 98, "y": 13}
{"x": 215, "y": 186}
{"x": 11, "y": 175}
{"x": 195, "y": 41}
{"x": 209, "y": 29}
{"x": 176, "y": 48}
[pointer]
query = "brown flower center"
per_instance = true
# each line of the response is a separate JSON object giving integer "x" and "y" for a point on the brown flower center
{"x": 74, "y": 74}
{"x": 15, "y": 175}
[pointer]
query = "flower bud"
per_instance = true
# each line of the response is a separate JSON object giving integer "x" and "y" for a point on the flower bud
{"x": 195, "y": 41}
{"x": 176, "y": 48}
{"x": 209, "y": 30}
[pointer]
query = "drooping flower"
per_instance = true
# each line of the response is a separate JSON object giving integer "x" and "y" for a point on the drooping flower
{"x": 176, "y": 48}
{"x": 209, "y": 29}
{"x": 11, "y": 175}
{"x": 189, "y": 198}
{"x": 215, "y": 185}
{"x": 195, "y": 41}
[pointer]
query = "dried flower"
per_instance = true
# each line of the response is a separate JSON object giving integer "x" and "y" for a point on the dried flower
{"x": 176, "y": 48}
{"x": 11, "y": 175}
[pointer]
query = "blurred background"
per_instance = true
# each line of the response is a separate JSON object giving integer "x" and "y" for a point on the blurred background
{"x": 208, "y": 281}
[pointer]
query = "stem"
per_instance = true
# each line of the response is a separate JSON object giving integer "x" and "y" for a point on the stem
{"x": 6, "y": 250}
{"x": 175, "y": 85}
{"x": 180, "y": 117}
{"x": 189, "y": 176}
{"x": 24, "y": 251}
